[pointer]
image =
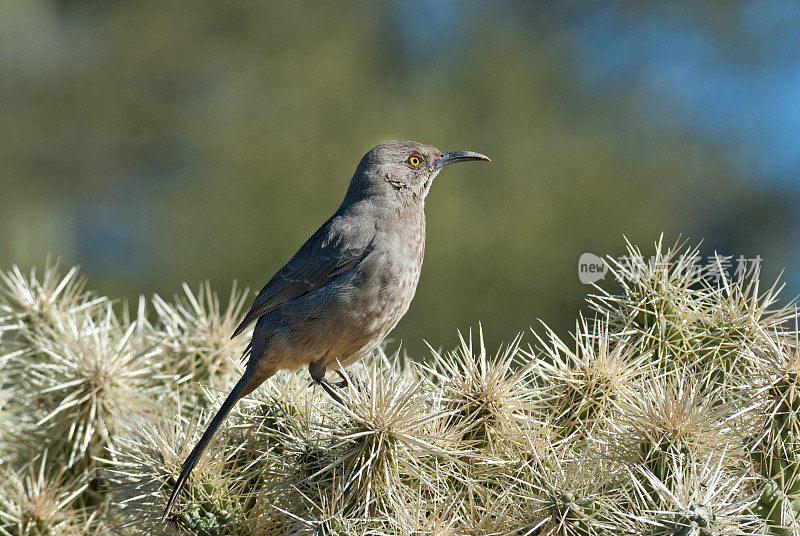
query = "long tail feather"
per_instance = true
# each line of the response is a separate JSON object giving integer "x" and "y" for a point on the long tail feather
{"x": 194, "y": 457}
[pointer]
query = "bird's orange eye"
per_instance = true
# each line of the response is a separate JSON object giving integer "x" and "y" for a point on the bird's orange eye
{"x": 414, "y": 161}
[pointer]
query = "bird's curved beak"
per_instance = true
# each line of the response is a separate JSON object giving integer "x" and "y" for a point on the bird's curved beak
{"x": 459, "y": 156}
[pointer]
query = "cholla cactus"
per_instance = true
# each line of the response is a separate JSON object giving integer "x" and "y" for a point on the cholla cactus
{"x": 672, "y": 410}
{"x": 702, "y": 497}
{"x": 73, "y": 369}
{"x": 581, "y": 386}
{"x": 550, "y": 488}
{"x": 488, "y": 397}
{"x": 672, "y": 417}
{"x": 35, "y": 300}
{"x": 39, "y": 501}
{"x": 775, "y": 445}
{"x": 142, "y": 468}
{"x": 90, "y": 370}
{"x": 194, "y": 332}
{"x": 659, "y": 300}
{"x": 366, "y": 461}
{"x": 688, "y": 314}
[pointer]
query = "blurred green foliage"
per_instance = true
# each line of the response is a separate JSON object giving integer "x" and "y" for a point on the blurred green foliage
{"x": 169, "y": 142}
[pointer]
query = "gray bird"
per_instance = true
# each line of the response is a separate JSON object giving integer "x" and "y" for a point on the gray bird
{"x": 348, "y": 285}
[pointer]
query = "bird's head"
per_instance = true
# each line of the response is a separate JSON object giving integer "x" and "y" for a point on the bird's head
{"x": 402, "y": 171}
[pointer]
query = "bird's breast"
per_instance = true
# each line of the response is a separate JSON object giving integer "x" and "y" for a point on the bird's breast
{"x": 347, "y": 319}
{"x": 381, "y": 291}
{"x": 389, "y": 278}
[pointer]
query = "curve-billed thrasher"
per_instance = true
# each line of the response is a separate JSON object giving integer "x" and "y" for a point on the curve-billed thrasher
{"x": 349, "y": 284}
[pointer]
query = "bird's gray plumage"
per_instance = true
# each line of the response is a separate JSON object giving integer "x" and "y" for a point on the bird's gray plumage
{"x": 349, "y": 284}
{"x": 324, "y": 257}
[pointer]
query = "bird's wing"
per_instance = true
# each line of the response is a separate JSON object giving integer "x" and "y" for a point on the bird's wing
{"x": 331, "y": 251}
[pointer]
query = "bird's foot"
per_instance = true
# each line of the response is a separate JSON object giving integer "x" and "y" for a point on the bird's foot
{"x": 331, "y": 389}
{"x": 317, "y": 371}
{"x": 348, "y": 378}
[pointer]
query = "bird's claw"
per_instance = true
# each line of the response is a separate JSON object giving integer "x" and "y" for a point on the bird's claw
{"x": 331, "y": 390}
{"x": 348, "y": 378}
